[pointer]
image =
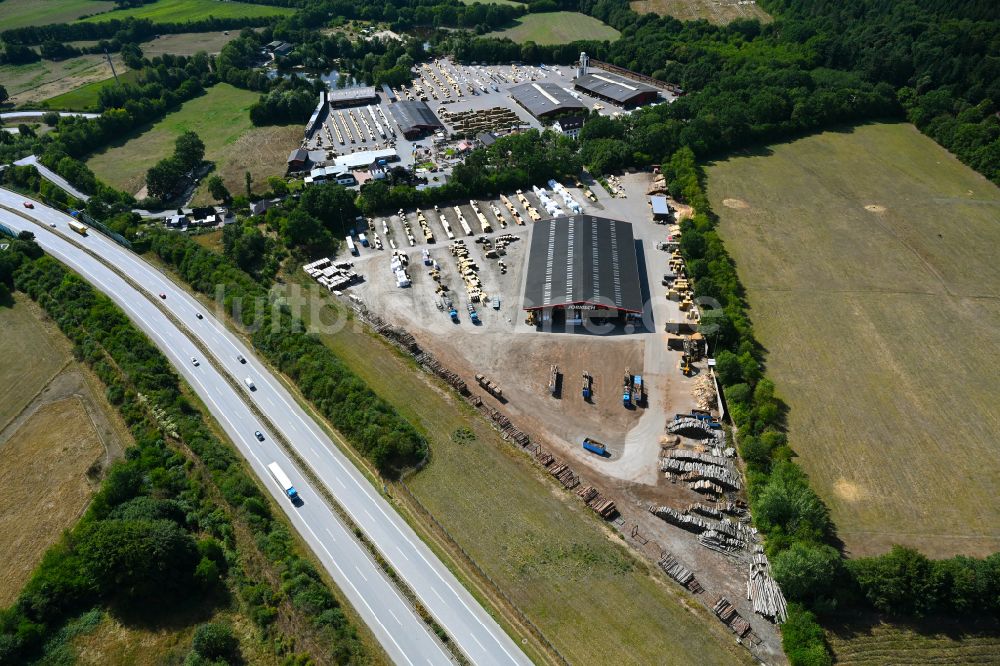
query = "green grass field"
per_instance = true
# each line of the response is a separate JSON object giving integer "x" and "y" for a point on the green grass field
{"x": 713, "y": 11}
{"x": 171, "y": 11}
{"x": 940, "y": 642}
{"x": 593, "y": 600}
{"x": 557, "y": 28}
{"x": 22, "y": 13}
{"x": 221, "y": 119}
{"x": 870, "y": 260}
{"x": 85, "y": 98}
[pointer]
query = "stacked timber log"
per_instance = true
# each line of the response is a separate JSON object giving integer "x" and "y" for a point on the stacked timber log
{"x": 696, "y": 471}
{"x": 697, "y": 456}
{"x": 683, "y": 520}
{"x": 706, "y": 487}
{"x": 564, "y": 475}
{"x": 704, "y": 509}
{"x": 696, "y": 429}
{"x": 679, "y": 573}
{"x": 434, "y": 366}
{"x": 725, "y": 611}
{"x": 763, "y": 592}
{"x": 704, "y": 392}
{"x": 720, "y": 542}
{"x": 601, "y": 505}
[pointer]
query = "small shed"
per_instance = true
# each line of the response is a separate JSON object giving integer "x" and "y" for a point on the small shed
{"x": 661, "y": 209}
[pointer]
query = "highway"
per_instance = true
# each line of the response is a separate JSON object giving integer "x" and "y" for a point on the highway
{"x": 405, "y": 638}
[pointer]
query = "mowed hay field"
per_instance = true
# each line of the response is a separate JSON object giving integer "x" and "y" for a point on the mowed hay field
{"x": 557, "y": 28}
{"x": 179, "y": 11}
{"x": 22, "y": 13}
{"x": 577, "y": 582}
{"x": 870, "y": 260}
{"x": 41, "y": 80}
{"x": 188, "y": 43}
{"x": 43, "y": 486}
{"x": 222, "y": 120}
{"x": 29, "y": 359}
{"x": 940, "y": 642}
{"x": 718, "y": 12}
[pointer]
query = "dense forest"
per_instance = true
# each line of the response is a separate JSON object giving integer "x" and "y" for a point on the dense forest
{"x": 156, "y": 530}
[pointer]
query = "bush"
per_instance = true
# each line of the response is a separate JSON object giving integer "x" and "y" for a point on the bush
{"x": 803, "y": 640}
{"x": 215, "y": 640}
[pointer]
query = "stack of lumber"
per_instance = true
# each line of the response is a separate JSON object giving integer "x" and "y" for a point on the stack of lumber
{"x": 679, "y": 573}
{"x": 600, "y": 504}
{"x": 763, "y": 592}
{"x": 725, "y": 611}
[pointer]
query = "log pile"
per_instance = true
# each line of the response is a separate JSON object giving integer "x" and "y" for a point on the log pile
{"x": 704, "y": 392}
{"x": 763, "y": 592}
{"x": 432, "y": 364}
{"x": 697, "y": 456}
{"x": 706, "y": 488}
{"x": 564, "y": 475}
{"x": 682, "y": 520}
{"x": 697, "y": 429}
{"x": 679, "y": 573}
{"x": 720, "y": 542}
{"x": 705, "y": 510}
{"x": 696, "y": 471}
{"x": 600, "y": 504}
{"x": 659, "y": 185}
{"x": 725, "y": 611}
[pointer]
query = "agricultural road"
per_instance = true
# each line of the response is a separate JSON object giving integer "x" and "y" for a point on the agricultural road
{"x": 172, "y": 325}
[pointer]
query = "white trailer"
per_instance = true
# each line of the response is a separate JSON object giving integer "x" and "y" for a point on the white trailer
{"x": 283, "y": 481}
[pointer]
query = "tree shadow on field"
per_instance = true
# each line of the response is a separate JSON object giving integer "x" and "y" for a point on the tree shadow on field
{"x": 170, "y": 615}
{"x": 863, "y": 625}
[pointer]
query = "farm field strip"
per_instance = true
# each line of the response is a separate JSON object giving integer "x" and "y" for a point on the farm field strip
{"x": 179, "y": 11}
{"x": 713, "y": 11}
{"x": 877, "y": 301}
{"x": 557, "y": 28}
{"x": 23, "y": 13}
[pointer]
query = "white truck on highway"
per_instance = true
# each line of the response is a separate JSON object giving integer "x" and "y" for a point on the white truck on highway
{"x": 283, "y": 481}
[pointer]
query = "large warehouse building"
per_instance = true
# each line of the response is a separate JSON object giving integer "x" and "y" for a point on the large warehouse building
{"x": 582, "y": 267}
{"x": 616, "y": 89}
{"x": 414, "y": 118}
{"x": 546, "y": 101}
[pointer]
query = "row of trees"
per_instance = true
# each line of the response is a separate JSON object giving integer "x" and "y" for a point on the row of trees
{"x": 371, "y": 424}
{"x": 153, "y": 531}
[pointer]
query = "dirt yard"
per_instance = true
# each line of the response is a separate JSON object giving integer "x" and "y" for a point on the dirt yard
{"x": 719, "y": 12}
